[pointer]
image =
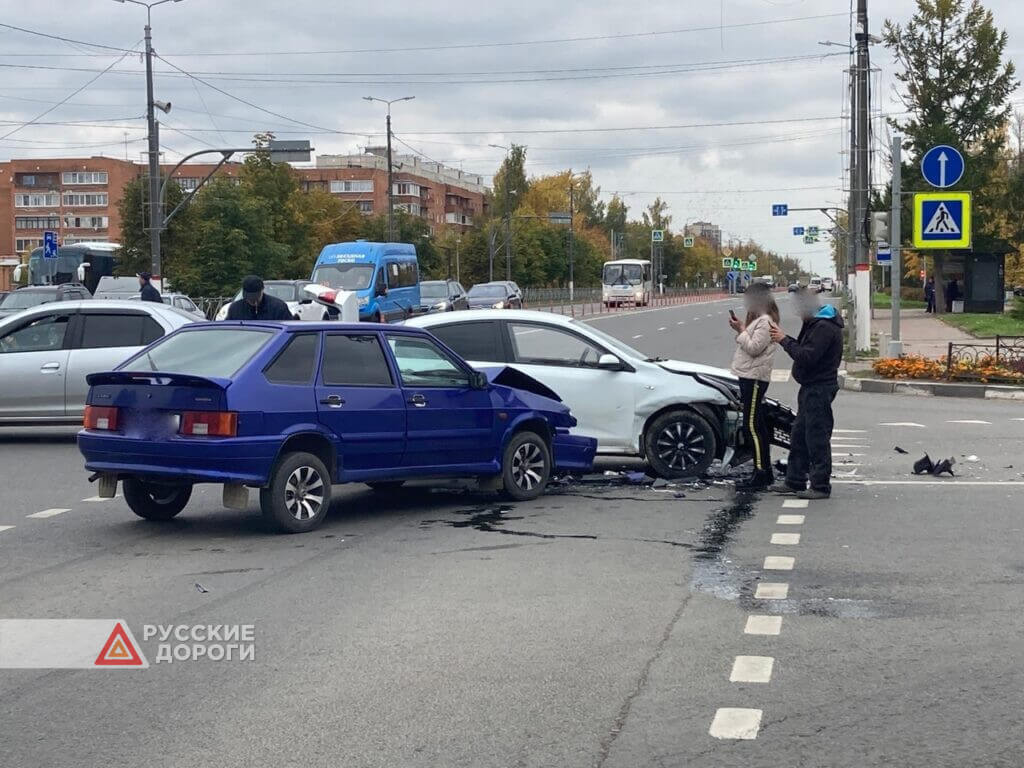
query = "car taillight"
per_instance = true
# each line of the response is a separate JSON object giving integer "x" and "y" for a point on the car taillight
{"x": 328, "y": 296}
{"x": 209, "y": 423}
{"x": 100, "y": 417}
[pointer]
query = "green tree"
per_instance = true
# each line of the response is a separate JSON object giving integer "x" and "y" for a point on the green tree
{"x": 176, "y": 242}
{"x": 512, "y": 168}
{"x": 409, "y": 229}
{"x": 955, "y": 86}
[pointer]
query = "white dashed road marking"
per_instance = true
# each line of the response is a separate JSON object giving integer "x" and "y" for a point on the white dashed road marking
{"x": 752, "y": 669}
{"x": 733, "y": 723}
{"x": 778, "y": 563}
{"x": 967, "y": 421}
{"x": 790, "y": 520}
{"x": 767, "y": 590}
{"x": 795, "y": 504}
{"x": 786, "y": 539}
{"x": 900, "y": 424}
{"x": 681, "y": 322}
{"x": 663, "y": 328}
{"x": 48, "y": 513}
{"x": 5, "y": 528}
{"x": 853, "y": 431}
{"x": 638, "y": 336}
{"x": 763, "y": 625}
{"x": 840, "y": 455}
{"x": 97, "y": 498}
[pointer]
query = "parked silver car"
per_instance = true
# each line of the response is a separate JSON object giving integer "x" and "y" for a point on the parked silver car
{"x": 47, "y": 351}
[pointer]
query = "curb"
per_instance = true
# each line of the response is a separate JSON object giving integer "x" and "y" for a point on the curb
{"x": 931, "y": 388}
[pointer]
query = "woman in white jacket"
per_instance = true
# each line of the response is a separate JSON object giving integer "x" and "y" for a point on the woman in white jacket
{"x": 752, "y": 363}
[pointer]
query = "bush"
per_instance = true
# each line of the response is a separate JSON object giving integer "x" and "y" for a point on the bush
{"x": 910, "y": 367}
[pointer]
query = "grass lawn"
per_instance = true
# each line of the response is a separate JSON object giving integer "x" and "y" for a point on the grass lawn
{"x": 884, "y": 301}
{"x": 985, "y": 325}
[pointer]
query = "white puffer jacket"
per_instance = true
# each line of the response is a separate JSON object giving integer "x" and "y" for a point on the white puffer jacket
{"x": 754, "y": 351}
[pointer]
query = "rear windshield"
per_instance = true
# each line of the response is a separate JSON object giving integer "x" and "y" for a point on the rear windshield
{"x": 25, "y": 299}
{"x": 488, "y": 291}
{"x": 217, "y": 352}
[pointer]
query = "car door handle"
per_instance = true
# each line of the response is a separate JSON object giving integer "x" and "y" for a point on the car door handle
{"x": 417, "y": 400}
{"x": 334, "y": 401}
{"x": 49, "y": 367}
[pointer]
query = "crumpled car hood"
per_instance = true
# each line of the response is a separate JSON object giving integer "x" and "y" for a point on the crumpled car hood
{"x": 518, "y": 388}
{"x": 678, "y": 366}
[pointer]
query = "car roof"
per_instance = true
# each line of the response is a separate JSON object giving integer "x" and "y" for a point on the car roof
{"x": 298, "y": 326}
{"x": 465, "y": 316}
{"x": 65, "y": 306}
{"x": 284, "y": 282}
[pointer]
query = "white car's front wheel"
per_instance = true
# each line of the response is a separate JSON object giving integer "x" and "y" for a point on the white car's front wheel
{"x": 680, "y": 444}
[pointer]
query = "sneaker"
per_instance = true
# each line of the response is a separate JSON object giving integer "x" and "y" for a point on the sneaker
{"x": 784, "y": 489}
{"x": 813, "y": 494}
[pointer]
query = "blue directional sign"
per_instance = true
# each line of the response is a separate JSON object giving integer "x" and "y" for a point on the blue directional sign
{"x": 798, "y": 231}
{"x": 942, "y": 166}
{"x": 49, "y": 244}
{"x": 780, "y": 209}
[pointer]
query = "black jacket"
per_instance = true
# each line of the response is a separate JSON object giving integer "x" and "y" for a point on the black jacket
{"x": 149, "y": 293}
{"x": 270, "y": 308}
{"x": 818, "y": 350}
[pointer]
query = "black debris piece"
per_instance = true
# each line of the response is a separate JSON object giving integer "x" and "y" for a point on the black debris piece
{"x": 201, "y": 588}
{"x": 900, "y": 450}
{"x": 923, "y": 465}
{"x": 943, "y": 467}
{"x": 679, "y": 495}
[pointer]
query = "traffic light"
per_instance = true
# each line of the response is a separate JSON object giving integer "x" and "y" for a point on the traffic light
{"x": 880, "y": 227}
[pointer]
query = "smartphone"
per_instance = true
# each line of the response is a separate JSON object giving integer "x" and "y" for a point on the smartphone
{"x": 733, "y": 315}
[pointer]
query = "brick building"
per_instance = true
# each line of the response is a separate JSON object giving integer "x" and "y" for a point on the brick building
{"x": 79, "y": 197}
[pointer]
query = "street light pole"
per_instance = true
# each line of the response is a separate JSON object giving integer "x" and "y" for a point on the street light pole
{"x": 391, "y": 167}
{"x": 571, "y": 239}
{"x": 153, "y": 137}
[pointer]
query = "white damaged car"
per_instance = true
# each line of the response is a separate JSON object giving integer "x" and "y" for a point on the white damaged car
{"x": 679, "y": 416}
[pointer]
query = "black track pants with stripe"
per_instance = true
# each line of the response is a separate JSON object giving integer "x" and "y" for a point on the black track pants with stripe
{"x": 755, "y": 424}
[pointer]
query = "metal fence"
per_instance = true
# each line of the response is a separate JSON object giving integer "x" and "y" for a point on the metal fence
{"x": 210, "y": 305}
{"x": 999, "y": 361}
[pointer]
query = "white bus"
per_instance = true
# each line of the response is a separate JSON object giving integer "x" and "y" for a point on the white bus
{"x": 627, "y": 281}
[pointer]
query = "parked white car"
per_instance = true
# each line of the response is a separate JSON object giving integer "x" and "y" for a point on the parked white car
{"x": 679, "y": 416}
{"x": 300, "y": 303}
{"x": 47, "y": 351}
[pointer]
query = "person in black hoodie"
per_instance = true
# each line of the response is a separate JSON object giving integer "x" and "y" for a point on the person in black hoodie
{"x": 817, "y": 353}
{"x": 256, "y": 304}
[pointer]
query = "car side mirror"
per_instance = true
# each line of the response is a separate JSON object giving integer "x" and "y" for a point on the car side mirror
{"x": 608, "y": 362}
{"x": 478, "y": 380}
{"x": 81, "y": 271}
{"x": 381, "y": 290}
{"x": 18, "y": 270}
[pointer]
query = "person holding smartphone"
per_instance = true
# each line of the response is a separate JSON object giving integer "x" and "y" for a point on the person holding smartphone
{"x": 752, "y": 364}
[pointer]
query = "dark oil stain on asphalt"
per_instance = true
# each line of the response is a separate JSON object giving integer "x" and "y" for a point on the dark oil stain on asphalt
{"x": 492, "y": 520}
{"x": 712, "y": 572}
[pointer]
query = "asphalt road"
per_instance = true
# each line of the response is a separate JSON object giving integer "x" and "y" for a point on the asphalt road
{"x": 597, "y": 626}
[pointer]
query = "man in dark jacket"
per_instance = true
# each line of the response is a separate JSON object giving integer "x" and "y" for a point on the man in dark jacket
{"x": 817, "y": 353}
{"x": 257, "y": 305}
{"x": 147, "y": 291}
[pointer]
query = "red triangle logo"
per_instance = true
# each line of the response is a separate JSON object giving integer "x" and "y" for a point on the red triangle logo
{"x": 119, "y": 650}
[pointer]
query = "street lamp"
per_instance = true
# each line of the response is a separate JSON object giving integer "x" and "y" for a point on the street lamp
{"x": 155, "y": 212}
{"x": 391, "y": 188}
{"x": 508, "y": 213}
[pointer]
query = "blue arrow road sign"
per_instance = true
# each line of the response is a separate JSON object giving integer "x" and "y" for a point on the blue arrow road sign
{"x": 49, "y": 244}
{"x": 780, "y": 209}
{"x": 730, "y": 276}
{"x": 798, "y": 230}
{"x": 942, "y": 166}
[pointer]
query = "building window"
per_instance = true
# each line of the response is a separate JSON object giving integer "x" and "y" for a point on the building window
{"x": 84, "y": 177}
{"x": 23, "y": 244}
{"x": 309, "y": 186}
{"x": 412, "y": 208}
{"x": 458, "y": 218}
{"x": 85, "y": 222}
{"x": 407, "y": 188}
{"x": 365, "y": 206}
{"x": 36, "y": 222}
{"x": 187, "y": 183}
{"x": 76, "y": 199}
{"x": 36, "y": 201}
{"x": 28, "y": 181}
{"x": 353, "y": 185}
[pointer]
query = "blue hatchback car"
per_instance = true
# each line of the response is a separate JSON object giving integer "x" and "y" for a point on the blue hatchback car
{"x": 293, "y": 408}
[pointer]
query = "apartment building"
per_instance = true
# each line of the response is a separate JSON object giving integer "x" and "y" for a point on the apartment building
{"x": 705, "y": 230}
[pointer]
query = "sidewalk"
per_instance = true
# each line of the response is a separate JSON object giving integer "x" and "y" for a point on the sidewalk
{"x": 923, "y": 334}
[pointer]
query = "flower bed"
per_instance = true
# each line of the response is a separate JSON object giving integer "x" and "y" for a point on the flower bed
{"x": 982, "y": 368}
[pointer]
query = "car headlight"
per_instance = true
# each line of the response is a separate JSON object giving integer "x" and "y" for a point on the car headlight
{"x": 364, "y": 300}
{"x": 440, "y": 305}
{"x": 728, "y": 387}
{"x": 498, "y": 305}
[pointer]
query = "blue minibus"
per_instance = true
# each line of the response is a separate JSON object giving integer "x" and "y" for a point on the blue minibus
{"x": 384, "y": 276}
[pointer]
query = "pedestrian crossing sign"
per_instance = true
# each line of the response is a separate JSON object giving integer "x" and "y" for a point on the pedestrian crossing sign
{"x": 942, "y": 220}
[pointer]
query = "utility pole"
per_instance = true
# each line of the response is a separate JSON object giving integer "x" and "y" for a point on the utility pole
{"x": 571, "y": 238}
{"x": 391, "y": 166}
{"x": 862, "y": 264}
{"x": 895, "y": 268}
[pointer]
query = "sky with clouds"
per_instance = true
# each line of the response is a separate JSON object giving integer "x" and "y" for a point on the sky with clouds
{"x": 721, "y": 107}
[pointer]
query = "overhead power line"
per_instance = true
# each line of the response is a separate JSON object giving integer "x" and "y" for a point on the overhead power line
{"x": 67, "y": 40}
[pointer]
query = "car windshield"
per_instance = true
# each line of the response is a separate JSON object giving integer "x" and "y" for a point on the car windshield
{"x": 349, "y": 277}
{"x": 487, "y": 291}
{"x": 434, "y": 290}
{"x": 24, "y": 299}
{"x": 217, "y": 352}
{"x": 282, "y": 291}
{"x": 610, "y": 341}
{"x": 623, "y": 274}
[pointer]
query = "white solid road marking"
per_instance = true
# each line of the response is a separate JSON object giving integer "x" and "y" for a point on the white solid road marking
{"x": 787, "y": 539}
{"x": 752, "y": 669}
{"x": 97, "y": 498}
{"x": 763, "y": 625}
{"x": 967, "y": 421}
{"x": 5, "y": 528}
{"x": 795, "y": 504}
{"x": 950, "y": 481}
{"x": 900, "y": 424}
{"x": 780, "y": 375}
{"x": 734, "y": 723}
{"x": 853, "y": 431}
{"x": 850, "y": 446}
{"x": 790, "y": 520}
{"x": 771, "y": 591}
{"x": 840, "y": 455}
{"x": 779, "y": 563}
{"x": 48, "y": 513}
{"x": 851, "y": 473}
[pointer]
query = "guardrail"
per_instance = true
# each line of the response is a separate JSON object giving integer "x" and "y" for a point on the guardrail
{"x": 210, "y": 305}
{"x": 588, "y": 301}
{"x": 999, "y": 361}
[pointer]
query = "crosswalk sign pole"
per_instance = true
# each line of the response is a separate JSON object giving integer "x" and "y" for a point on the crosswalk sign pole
{"x": 895, "y": 270}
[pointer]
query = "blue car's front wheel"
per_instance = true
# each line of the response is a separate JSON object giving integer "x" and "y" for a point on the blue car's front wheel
{"x": 299, "y": 493}
{"x": 526, "y": 466}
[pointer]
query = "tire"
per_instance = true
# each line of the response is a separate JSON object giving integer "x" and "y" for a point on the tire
{"x": 299, "y": 494}
{"x": 525, "y": 466}
{"x": 680, "y": 444}
{"x": 155, "y": 502}
{"x": 386, "y": 486}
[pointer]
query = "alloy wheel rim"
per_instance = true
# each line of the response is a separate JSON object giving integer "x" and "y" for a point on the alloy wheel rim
{"x": 681, "y": 445}
{"x": 527, "y": 466}
{"x": 304, "y": 493}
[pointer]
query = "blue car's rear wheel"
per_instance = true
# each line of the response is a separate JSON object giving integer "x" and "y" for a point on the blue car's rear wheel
{"x": 154, "y": 501}
{"x": 299, "y": 494}
{"x": 526, "y": 466}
